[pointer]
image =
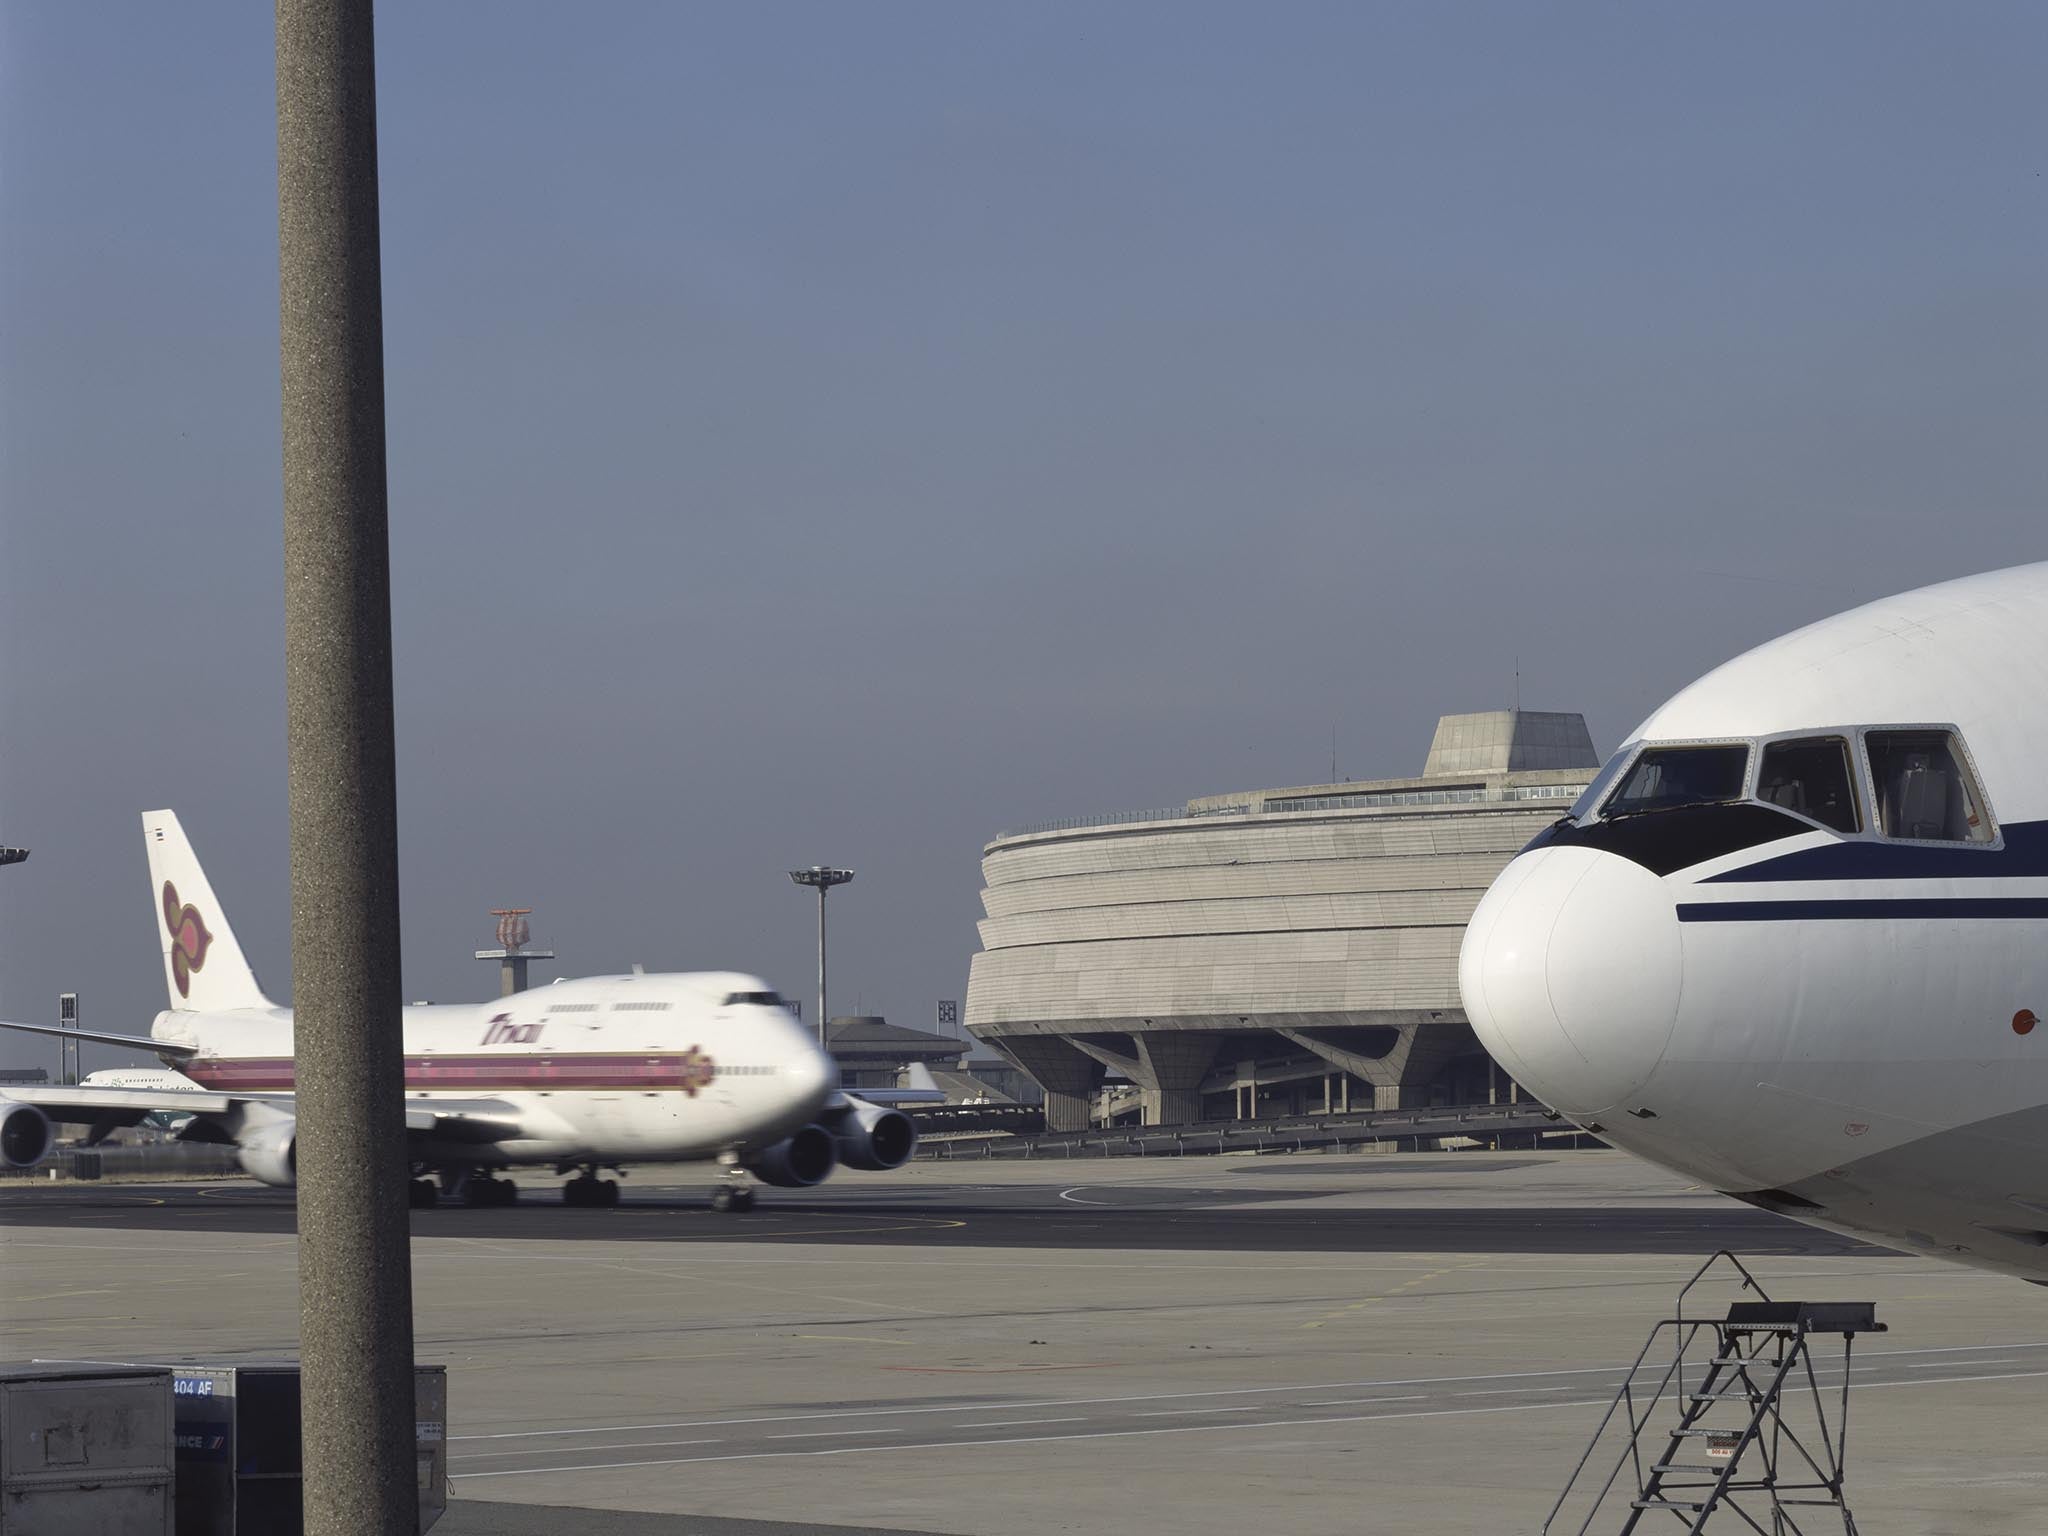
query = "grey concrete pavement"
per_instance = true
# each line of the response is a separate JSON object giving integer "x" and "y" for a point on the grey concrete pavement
{"x": 890, "y": 1384}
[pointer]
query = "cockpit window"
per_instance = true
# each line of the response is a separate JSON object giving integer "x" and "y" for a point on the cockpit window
{"x": 1811, "y": 778}
{"x": 1667, "y": 778}
{"x": 1590, "y": 798}
{"x": 753, "y": 1000}
{"x": 1924, "y": 791}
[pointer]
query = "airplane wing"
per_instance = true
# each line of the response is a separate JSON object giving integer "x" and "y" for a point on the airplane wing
{"x": 103, "y": 1037}
{"x": 896, "y": 1098}
{"x": 83, "y": 1106}
{"x": 922, "y": 1088}
{"x": 473, "y": 1121}
{"x": 469, "y": 1120}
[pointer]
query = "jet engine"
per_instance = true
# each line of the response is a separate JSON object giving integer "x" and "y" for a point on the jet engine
{"x": 797, "y": 1162}
{"x": 866, "y": 1135}
{"x": 24, "y": 1135}
{"x": 271, "y": 1153}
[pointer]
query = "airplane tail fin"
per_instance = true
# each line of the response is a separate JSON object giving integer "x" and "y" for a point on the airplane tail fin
{"x": 920, "y": 1077}
{"x": 204, "y": 969}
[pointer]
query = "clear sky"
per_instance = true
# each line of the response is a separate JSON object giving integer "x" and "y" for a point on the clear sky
{"x": 827, "y": 432}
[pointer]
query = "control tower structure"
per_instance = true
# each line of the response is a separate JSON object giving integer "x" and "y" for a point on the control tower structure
{"x": 512, "y": 953}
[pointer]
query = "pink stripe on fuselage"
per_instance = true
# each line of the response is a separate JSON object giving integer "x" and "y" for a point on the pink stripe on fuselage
{"x": 523, "y": 1070}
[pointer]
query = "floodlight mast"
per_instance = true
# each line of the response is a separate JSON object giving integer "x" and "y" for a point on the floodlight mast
{"x": 822, "y": 878}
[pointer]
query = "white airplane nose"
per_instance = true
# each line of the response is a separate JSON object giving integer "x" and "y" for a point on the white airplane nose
{"x": 1570, "y": 972}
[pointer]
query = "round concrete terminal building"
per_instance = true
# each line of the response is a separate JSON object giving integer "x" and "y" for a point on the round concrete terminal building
{"x": 1280, "y": 951}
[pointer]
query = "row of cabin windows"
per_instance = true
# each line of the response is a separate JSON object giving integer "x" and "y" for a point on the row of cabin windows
{"x": 554, "y": 1008}
{"x": 732, "y": 1000}
{"x": 1923, "y": 786}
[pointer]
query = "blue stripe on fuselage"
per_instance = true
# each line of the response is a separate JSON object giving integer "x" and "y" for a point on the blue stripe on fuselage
{"x": 2024, "y": 855}
{"x": 1874, "y": 908}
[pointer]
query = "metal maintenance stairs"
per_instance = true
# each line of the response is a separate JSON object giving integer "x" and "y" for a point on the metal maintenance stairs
{"x": 1751, "y": 1437}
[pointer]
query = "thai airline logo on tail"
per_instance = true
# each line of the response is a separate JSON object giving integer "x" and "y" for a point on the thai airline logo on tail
{"x": 189, "y": 939}
{"x": 204, "y": 967}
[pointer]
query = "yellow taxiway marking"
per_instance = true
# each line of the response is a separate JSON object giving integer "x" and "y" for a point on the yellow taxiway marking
{"x": 1393, "y": 1291}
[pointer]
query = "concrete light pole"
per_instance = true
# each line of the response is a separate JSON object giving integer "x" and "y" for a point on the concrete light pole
{"x": 355, "y": 1283}
{"x": 823, "y": 878}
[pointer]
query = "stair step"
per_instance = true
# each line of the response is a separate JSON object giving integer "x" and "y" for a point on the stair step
{"x": 1703, "y": 1432}
{"x": 1664, "y": 1504}
{"x": 1754, "y": 1395}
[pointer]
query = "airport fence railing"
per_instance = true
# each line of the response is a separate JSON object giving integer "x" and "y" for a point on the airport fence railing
{"x": 170, "y": 1159}
{"x": 1475, "y": 1124}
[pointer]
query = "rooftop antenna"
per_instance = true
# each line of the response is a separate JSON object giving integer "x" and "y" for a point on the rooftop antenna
{"x": 1518, "y": 683}
{"x": 1333, "y": 751}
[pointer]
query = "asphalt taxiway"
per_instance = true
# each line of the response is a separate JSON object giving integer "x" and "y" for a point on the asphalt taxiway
{"x": 1270, "y": 1204}
{"x": 1311, "y": 1344}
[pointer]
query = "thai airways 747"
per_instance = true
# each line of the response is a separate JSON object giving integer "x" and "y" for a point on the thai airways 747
{"x": 581, "y": 1076}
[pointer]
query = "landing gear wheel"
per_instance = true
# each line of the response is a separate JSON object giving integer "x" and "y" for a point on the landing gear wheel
{"x": 423, "y": 1195}
{"x": 732, "y": 1192}
{"x": 588, "y": 1190}
{"x": 488, "y": 1191}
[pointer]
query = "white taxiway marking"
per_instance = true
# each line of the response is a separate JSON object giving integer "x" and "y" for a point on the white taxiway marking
{"x": 1346, "y": 1402}
{"x": 1010, "y": 1423}
{"x": 1612, "y": 1372}
{"x": 1509, "y": 1391}
{"x": 1107, "y": 1434}
{"x": 833, "y": 1434}
{"x": 1177, "y": 1429}
{"x": 644, "y": 1445}
{"x": 1181, "y": 1413}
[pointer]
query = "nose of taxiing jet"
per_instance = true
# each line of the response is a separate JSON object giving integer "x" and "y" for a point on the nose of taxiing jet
{"x": 1570, "y": 972}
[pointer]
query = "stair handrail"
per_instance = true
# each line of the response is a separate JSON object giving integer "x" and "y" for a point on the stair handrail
{"x": 1683, "y": 1332}
{"x": 1625, "y": 1397}
{"x": 1749, "y": 1283}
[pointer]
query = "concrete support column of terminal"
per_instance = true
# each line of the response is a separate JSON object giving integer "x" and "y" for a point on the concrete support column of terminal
{"x": 1171, "y": 1069}
{"x": 1407, "y": 1070}
{"x": 1069, "y": 1077}
{"x": 1401, "y": 1076}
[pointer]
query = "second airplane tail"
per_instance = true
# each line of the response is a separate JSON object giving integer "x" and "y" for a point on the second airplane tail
{"x": 204, "y": 969}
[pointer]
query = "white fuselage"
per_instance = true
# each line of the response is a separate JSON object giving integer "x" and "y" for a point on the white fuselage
{"x": 1827, "y": 1010}
{"x": 646, "y": 1068}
